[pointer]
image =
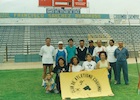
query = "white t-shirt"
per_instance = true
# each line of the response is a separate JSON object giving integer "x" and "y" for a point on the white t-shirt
{"x": 88, "y": 66}
{"x": 76, "y": 68}
{"x": 97, "y": 50}
{"x": 110, "y": 53}
{"x": 47, "y": 53}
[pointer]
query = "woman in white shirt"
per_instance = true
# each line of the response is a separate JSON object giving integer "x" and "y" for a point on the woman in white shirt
{"x": 75, "y": 67}
{"x": 89, "y": 65}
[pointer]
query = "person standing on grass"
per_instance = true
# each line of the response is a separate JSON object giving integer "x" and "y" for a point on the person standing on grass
{"x": 97, "y": 50}
{"x": 111, "y": 58}
{"x": 47, "y": 53}
{"x": 81, "y": 51}
{"x": 71, "y": 50}
{"x": 89, "y": 65}
{"x": 121, "y": 55}
{"x": 91, "y": 47}
{"x": 60, "y": 52}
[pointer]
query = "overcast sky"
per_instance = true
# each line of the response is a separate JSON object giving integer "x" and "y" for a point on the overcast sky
{"x": 95, "y": 6}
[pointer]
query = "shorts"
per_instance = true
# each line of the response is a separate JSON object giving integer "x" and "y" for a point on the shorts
{"x": 48, "y": 65}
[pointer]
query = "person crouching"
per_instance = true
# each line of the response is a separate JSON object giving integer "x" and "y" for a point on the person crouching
{"x": 49, "y": 84}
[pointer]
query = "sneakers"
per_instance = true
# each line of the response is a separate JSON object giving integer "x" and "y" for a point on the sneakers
{"x": 126, "y": 83}
{"x": 56, "y": 91}
{"x": 42, "y": 83}
{"x": 47, "y": 92}
{"x": 138, "y": 91}
{"x": 116, "y": 83}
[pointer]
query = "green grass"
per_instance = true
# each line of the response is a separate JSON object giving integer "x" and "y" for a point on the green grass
{"x": 26, "y": 85}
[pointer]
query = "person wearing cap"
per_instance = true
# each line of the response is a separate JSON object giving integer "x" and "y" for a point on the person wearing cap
{"x": 91, "y": 47}
{"x": 60, "y": 52}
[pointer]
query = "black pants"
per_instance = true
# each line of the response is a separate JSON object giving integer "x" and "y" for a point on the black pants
{"x": 113, "y": 66}
{"x": 57, "y": 81}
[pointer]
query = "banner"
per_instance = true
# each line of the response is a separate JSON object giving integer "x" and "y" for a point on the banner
{"x": 80, "y": 3}
{"x": 62, "y": 3}
{"x": 42, "y": 15}
{"x": 62, "y": 11}
{"x": 85, "y": 84}
{"x": 45, "y": 3}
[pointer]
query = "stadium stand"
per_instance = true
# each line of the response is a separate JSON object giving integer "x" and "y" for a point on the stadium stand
{"x": 28, "y": 39}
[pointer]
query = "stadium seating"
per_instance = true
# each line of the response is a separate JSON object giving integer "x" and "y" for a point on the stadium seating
{"x": 18, "y": 37}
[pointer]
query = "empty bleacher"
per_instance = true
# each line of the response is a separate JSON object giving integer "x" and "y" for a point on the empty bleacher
{"x": 126, "y": 34}
{"x": 29, "y": 39}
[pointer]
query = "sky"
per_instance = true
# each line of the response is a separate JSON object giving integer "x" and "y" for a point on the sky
{"x": 94, "y": 6}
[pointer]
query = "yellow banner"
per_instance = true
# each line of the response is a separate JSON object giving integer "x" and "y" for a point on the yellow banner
{"x": 85, "y": 84}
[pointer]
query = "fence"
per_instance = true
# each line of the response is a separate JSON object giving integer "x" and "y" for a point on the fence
{"x": 30, "y": 55}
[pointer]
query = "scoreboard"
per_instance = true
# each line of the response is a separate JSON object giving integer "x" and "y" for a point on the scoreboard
{"x": 63, "y": 3}
{"x": 45, "y": 3}
{"x": 80, "y": 3}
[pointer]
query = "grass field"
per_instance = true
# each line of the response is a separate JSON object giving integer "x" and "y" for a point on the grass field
{"x": 26, "y": 85}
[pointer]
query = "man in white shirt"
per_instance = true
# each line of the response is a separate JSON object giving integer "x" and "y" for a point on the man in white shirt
{"x": 111, "y": 58}
{"x": 47, "y": 53}
{"x": 97, "y": 50}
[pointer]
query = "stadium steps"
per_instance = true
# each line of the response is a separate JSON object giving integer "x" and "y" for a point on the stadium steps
{"x": 17, "y": 37}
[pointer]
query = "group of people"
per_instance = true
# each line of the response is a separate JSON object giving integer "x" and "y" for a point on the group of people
{"x": 81, "y": 58}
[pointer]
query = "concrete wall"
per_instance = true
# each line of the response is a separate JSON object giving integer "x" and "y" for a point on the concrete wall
{"x": 65, "y": 21}
{"x": 51, "y": 21}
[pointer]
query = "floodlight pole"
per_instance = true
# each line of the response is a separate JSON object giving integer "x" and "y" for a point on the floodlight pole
{"x": 132, "y": 39}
